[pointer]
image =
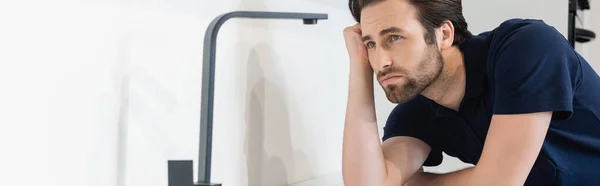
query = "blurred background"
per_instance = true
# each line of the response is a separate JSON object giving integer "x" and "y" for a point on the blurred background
{"x": 104, "y": 92}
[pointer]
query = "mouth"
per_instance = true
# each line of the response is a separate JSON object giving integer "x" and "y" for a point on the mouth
{"x": 388, "y": 79}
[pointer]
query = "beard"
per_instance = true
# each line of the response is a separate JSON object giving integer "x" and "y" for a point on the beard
{"x": 429, "y": 70}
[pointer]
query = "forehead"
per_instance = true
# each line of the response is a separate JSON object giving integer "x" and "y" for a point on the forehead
{"x": 388, "y": 13}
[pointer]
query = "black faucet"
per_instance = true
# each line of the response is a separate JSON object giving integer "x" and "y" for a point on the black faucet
{"x": 181, "y": 171}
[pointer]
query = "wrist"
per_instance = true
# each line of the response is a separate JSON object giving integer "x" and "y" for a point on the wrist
{"x": 361, "y": 63}
{"x": 360, "y": 67}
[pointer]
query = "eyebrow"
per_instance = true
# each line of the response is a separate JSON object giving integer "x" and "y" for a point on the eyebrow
{"x": 384, "y": 32}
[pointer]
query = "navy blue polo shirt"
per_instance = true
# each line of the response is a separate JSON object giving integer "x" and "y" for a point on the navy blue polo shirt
{"x": 522, "y": 66}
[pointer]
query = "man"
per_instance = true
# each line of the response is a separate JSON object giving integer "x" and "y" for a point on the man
{"x": 517, "y": 102}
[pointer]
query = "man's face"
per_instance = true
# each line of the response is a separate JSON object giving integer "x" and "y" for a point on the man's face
{"x": 404, "y": 63}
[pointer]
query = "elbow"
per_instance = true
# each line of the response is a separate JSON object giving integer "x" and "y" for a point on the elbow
{"x": 363, "y": 181}
{"x": 359, "y": 183}
{"x": 505, "y": 183}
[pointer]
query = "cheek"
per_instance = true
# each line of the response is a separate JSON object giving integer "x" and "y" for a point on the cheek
{"x": 407, "y": 57}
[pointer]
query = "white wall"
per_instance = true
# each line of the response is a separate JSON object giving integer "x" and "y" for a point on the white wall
{"x": 484, "y": 15}
{"x": 60, "y": 76}
{"x": 105, "y": 92}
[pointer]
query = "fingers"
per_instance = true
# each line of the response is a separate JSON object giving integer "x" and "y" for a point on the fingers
{"x": 354, "y": 29}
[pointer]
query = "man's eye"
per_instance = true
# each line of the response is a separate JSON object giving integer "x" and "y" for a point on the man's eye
{"x": 395, "y": 37}
{"x": 370, "y": 45}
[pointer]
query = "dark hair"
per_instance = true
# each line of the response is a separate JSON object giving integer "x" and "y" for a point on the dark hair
{"x": 431, "y": 14}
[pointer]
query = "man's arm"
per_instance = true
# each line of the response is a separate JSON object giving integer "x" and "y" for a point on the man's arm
{"x": 511, "y": 148}
{"x": 365, "y": 161}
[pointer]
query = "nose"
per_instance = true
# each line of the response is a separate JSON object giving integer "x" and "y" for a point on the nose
{"x": 383, "y": 59}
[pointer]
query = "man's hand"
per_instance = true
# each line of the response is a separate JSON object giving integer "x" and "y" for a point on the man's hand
{"x": 356, "y": 49}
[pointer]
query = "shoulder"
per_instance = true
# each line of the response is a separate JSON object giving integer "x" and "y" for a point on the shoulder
{"x": 527, "y": 34}
{"x": 417, "y": 111}
{"x": 413, "y": 118}
{"x": 532, "y": 68}
{"x": 528, "y": 43}
{"x": 517, "y": 24}
{"x": 415, "y": 107}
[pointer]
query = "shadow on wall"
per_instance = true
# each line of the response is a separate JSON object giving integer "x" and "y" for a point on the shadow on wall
{"x": 270, "y": 157}
{"x": 263, "y": 169}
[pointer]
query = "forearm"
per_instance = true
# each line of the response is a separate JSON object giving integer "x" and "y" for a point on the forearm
{"x": 361, "y": 104}
{"x": 363, "y": 161}
{"x": 495, "y": 167}
{"x": 463, "y": 177}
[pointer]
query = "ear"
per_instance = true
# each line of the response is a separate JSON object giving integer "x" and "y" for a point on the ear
{"x": 447, "y": 35}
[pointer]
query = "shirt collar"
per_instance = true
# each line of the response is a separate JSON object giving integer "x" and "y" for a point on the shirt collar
{"x": 475, "y": 52}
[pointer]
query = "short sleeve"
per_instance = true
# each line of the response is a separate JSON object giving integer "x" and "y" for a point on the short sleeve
{"x": 535, "y": 70}
{"x": 414, "y": 119}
